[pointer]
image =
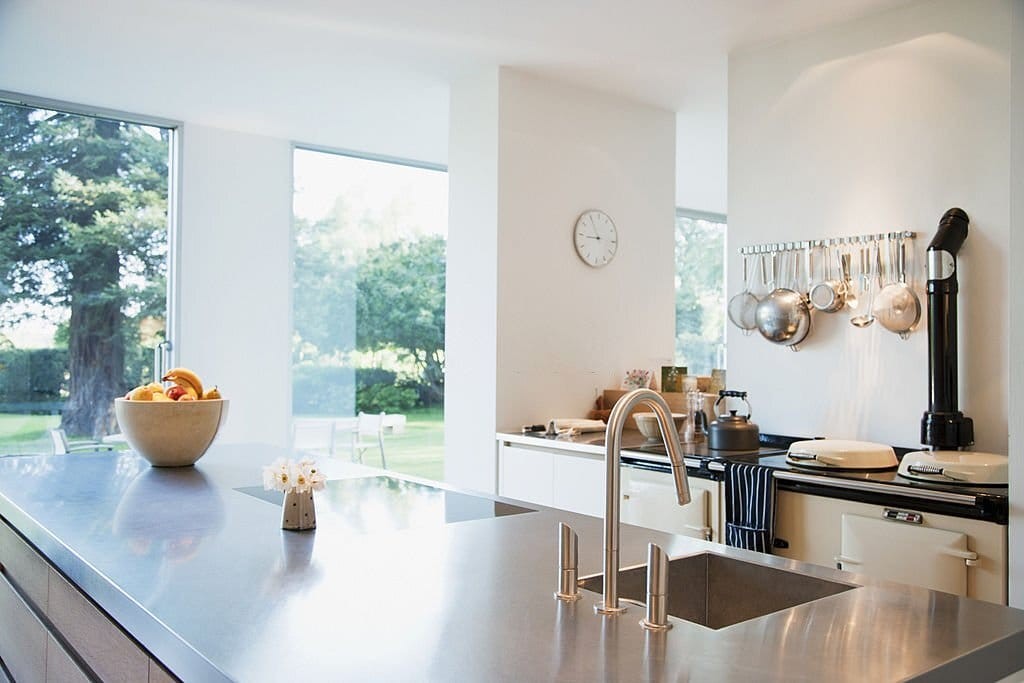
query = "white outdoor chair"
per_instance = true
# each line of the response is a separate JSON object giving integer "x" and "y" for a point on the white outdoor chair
{"x": 368, "y": 433}
{"x": 313, "y": 436}
{"x": 61, "y": 445}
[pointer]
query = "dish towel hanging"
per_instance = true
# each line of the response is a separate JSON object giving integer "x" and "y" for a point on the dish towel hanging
{"x": 749, "y": 507}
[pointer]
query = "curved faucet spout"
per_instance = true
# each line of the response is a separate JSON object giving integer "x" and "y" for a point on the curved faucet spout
{"x": 612, "y": 493}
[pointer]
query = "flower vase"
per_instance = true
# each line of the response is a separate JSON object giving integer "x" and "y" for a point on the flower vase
{"x": 298, "y": 512}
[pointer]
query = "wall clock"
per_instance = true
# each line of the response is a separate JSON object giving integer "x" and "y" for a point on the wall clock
{"x": 596, "y": 238}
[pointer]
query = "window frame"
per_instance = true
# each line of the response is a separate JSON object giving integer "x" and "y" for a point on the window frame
{"x": 713, "y": 217}
{"x": 345, "y": 152}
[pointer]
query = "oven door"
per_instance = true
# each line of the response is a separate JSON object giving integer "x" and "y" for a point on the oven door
{"x": 906, "y": 552}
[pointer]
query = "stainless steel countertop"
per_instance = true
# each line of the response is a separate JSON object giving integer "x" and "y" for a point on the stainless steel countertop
{"x": 203, "y": 577}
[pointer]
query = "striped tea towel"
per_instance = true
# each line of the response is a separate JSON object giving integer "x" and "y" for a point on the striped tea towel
{"x": 749, "y": 507}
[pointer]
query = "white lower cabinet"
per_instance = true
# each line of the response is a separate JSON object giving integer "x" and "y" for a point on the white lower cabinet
{"x": 552, "y": 478}
{"x": 575, "y": 482}
{"x": 579, "y": 484}
{"x": 649, "y": 500}
{"x": 526, "y": 474}
{"x": 953, "y": 554}
{"x": 31, "y": 593}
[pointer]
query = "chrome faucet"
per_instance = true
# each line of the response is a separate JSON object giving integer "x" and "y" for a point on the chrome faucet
{"x": 613, "y": 446}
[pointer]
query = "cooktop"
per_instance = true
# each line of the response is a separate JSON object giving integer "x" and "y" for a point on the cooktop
{"x": 381, "y": 503}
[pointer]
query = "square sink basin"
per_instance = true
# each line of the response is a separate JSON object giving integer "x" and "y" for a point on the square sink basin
{"x": 716, "y": 591}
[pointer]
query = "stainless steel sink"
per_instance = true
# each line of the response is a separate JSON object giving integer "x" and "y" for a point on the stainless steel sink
{"x": 718, "y": 591}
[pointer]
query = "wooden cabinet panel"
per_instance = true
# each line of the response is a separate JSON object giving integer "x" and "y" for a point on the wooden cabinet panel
{"x": 23, "y": 566}
{"x": 98, "y": 641}
{"x": 22, "y": 637}
{"x": 60, "y": 666}
{"x": 158, "y": 674}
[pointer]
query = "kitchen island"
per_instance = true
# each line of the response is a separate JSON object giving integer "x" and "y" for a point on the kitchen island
{"x": 403, "y": 580}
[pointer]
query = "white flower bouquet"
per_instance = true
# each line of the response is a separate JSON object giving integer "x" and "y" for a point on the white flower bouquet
{"x": 289, "y": 476}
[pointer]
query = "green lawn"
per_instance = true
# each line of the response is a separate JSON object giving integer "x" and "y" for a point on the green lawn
{"x": 24, "y": 434}
{"x": 419, "y": 450}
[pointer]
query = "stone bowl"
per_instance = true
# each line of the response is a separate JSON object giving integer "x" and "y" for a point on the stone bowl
{"x": 648, "y": 425}
{"x": 170, "y": 433}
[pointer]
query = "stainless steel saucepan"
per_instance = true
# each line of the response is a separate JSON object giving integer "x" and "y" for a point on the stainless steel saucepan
{"x": 783, "y": 316}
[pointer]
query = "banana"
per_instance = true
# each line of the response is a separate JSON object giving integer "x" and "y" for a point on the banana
{"x": 186, "y": 379}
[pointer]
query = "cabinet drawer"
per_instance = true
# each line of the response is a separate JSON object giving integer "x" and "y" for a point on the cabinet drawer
{"x": 23, "y": 566}
{"x": 526, "y": 474}
{"x": 22, "y": 637}
{"x": 649, "y": 500}
{"x": 60, "y": 667}
{"x": 96, "y": 639}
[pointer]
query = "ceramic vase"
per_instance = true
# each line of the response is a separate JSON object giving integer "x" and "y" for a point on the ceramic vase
{"x": 298, "y": 512}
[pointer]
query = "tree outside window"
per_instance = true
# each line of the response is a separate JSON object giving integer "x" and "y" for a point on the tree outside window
{"x": 83, "y": 262}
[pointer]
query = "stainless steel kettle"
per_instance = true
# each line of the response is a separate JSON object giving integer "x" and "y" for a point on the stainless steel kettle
{"x": 732, "y": 432}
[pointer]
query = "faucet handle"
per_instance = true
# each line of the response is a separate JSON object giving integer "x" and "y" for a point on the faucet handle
{"x": 656, "y": 618}
{"x": 568, "y": 564}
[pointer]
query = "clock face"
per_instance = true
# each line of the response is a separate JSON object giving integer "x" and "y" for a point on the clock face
{"x": 596, "y": 238}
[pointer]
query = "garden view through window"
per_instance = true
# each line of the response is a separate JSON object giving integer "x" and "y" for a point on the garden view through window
{"x": 368, "y": 309}
{"x": 83, "y": 269}
{"x": 700, "y": 291}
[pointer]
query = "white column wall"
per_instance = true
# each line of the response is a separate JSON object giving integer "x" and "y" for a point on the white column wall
{"x": 234, "y": 286}
{"x": 1016, "y": 284}
{"x": 880, "y": 123}
{"x": 471, "y": 287}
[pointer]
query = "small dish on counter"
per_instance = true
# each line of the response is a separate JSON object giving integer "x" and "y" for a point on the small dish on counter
{"x": 647, "y": 423}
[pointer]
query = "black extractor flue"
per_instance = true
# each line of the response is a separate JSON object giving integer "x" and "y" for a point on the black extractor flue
{"x": 943, "y": 426}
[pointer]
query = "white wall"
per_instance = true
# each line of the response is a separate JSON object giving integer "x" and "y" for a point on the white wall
{"x": 244, "y": 85}
{"x": 234, "y": 326}
{"x": 532, "y": 332}
{"x": 702, "y": 151}
{"x": 879, "y": 123}
{"x": 1016, "y": 282}
{"x": 471, "y": 287}
{"x": 566, "y": 330}
{"x": 227, "y": 66}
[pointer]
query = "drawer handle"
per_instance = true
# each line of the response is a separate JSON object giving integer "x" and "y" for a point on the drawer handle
{"x": 970, "y": 558}
{"x": 840, "y": 560}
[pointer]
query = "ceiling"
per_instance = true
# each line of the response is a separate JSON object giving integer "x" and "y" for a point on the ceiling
{"x": 375, "y": 77}
{"x": 670, "y": 53}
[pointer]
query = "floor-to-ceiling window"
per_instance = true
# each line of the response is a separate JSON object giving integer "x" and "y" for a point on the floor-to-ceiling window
{"x": 368, "y": 308}
{"x": 84, "y": 235}
{"x": 700, "y": 291}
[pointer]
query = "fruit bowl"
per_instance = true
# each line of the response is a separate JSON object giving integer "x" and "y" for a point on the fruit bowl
{"x": 170, "y": 433}
{"x": 647, "y": 423}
